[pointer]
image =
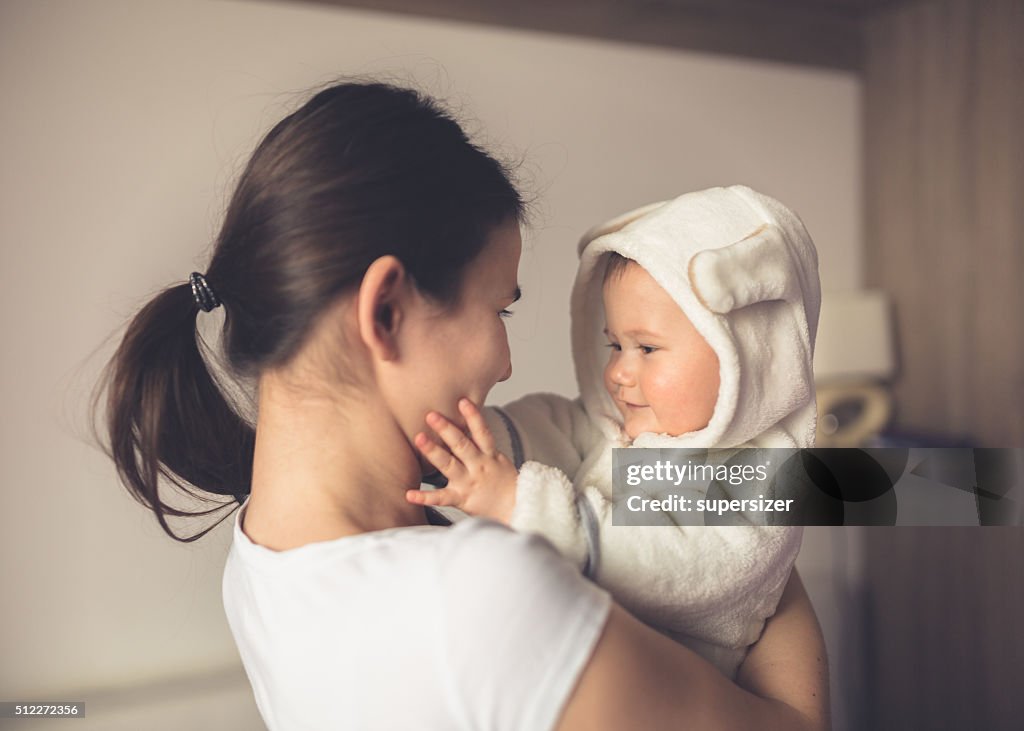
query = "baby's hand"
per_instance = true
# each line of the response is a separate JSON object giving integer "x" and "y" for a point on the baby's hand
{"x": 481, "y": 480}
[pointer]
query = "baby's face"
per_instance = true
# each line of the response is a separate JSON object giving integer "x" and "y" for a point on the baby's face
{"x": 661, "y": 373}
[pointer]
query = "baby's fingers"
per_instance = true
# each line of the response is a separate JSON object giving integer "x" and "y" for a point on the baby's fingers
{"x": 433, "y": 498}
{"x": 477, "y": 426}
{"x": 461, "y": 446}
{"x": 438, "y": 456}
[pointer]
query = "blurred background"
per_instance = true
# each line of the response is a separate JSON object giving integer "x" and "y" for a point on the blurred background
{"x": 892, "y": 127}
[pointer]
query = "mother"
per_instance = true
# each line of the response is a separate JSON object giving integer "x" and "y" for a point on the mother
{"x": 367, "y": 258}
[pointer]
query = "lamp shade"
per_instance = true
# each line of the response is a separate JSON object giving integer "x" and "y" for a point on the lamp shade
{"x": 854, "y": 336}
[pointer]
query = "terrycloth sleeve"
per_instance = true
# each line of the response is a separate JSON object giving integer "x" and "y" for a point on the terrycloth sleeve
{"x": 542, "y": 427}
{"x": 547, "y": 503}
{"x": 547, "y": 436}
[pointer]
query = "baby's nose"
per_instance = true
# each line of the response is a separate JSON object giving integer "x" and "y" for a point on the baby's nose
{"x": 622, "y": 375}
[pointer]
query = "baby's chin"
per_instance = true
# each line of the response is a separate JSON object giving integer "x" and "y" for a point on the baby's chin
{"x": 634, "y": 424}
{"x": 626, "y": 423}
{"x": 631, "y": 428}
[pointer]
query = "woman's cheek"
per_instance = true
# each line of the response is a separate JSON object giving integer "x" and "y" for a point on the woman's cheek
{"x": 503, "y": 363}
{"x": 489, "y": 362}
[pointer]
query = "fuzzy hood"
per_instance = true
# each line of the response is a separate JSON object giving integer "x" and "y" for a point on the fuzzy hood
{"x": 745, "y": 272}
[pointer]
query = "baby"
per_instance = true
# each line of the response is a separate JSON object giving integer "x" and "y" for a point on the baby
{"x": 710, "y": 308}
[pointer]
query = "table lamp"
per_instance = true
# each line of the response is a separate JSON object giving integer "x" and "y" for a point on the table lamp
{"x": 853, "y": 359}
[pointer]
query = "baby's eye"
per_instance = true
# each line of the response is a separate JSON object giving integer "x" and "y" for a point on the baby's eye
{"x": 613, "y": 346}
{"x": 647, "y": 349}
{"x": 506, "y": 313}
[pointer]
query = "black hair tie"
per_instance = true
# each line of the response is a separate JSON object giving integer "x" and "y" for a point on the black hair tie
{"x": 203, "y": 293}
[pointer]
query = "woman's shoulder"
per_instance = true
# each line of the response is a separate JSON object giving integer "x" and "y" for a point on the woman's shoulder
{"x": 472, "y": 562}
{"x": 471, "y": 536}
{"x": 500, "y": 610}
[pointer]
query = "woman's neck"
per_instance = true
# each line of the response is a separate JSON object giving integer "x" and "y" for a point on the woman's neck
{"x": 324, "y": 469}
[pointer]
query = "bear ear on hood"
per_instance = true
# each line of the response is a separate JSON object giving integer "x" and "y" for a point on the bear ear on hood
{"x": 755, "y": 269}
{"x": 615, "y": 224}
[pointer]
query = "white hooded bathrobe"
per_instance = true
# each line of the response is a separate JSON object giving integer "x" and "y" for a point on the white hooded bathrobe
{"x": 744, "y": 271}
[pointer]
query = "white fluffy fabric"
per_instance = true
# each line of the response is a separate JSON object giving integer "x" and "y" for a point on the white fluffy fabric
{"x": 745, "y": 272}
{"x": 743, "y": 269}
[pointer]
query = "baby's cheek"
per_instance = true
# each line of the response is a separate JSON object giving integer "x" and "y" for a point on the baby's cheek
{"x": 663, "y": 390}
{"x": 668, "y": 401}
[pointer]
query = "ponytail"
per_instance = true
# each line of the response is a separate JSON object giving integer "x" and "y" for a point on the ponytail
{"x": 166, "y": 417}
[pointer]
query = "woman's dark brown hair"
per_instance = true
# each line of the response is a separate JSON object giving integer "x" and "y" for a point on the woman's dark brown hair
{"x": 360, "y": 171}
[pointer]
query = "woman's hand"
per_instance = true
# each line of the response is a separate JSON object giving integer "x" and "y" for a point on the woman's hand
{"x": 481, "y": 480}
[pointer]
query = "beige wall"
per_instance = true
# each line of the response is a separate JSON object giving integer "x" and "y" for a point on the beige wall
{"x": 123, "y": 125}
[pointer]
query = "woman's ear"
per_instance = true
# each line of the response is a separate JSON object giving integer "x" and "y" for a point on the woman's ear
{"x": 379, "y": 308}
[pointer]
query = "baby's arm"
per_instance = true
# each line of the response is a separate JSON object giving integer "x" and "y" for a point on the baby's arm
{"x": 482, "y": 481}
{"x": 548, "y": 436}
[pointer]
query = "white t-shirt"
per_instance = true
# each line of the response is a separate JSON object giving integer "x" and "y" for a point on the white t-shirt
{"x": 472, "y": 626}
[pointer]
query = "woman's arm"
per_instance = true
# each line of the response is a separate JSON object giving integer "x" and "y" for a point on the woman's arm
{"x": 637, "y": 678}
{"x": 790, "y": 663}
